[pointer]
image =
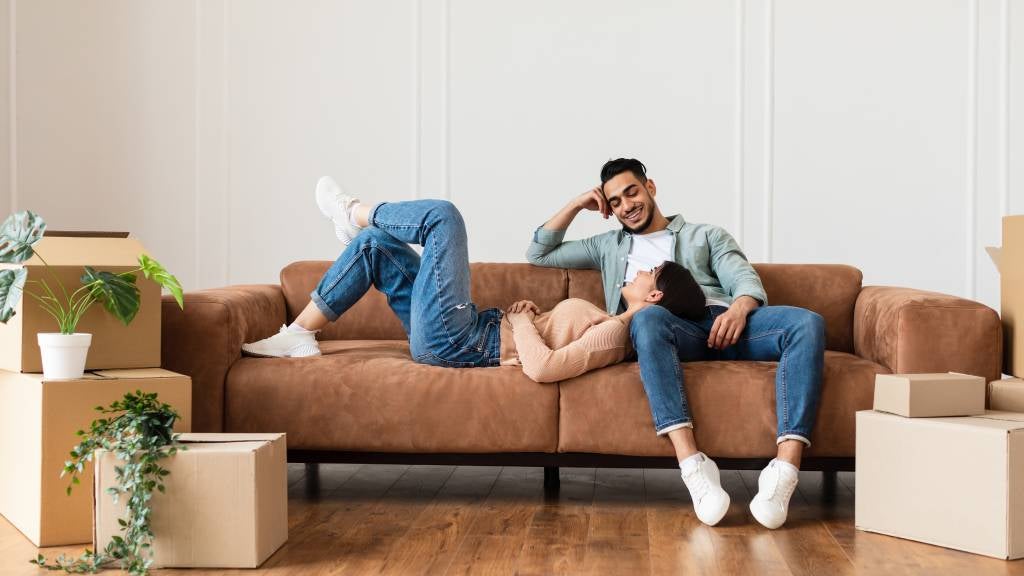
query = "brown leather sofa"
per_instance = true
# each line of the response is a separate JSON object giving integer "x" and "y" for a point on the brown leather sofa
{"x": 366, "y": 400}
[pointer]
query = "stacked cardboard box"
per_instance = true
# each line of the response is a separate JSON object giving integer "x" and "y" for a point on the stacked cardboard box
{"x": 954, "y": 478}
{"x": 38, "y": 421}
{"x": 226, "y": 500}
{"x": 226, "y": 504}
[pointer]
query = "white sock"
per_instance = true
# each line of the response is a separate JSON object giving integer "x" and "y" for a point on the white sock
{"x": 352, "y": 214}
{"x": 294, "y": 327}
{"x": 786, "y": 465}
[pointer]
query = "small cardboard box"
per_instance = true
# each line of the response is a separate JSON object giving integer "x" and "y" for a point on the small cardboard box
{"x": 114, "y": 345}
{"x": 225, "y": 505}
{"x": 1009, "y": 260}
{"x": 38, "y": 421}
{"x": 1006, "y": 395}
{"x": 930, "y": 395}
{"x": 953, "y": 482}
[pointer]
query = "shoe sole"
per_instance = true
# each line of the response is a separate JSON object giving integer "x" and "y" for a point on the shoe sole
{"x": 258, "y": 355}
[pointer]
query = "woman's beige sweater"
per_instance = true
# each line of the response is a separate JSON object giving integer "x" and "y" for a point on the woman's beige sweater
{"x": 573, "y": 338}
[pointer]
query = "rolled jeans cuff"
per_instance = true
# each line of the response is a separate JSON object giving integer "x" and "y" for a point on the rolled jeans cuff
{"x": 324, "y": 308}
{"x": 677, "y": 426}
{"x": 784, "y": 437}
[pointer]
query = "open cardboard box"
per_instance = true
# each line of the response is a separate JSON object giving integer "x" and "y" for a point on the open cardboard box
{"x": 114, "y": 345}
{"x": 1009, "y": 260}
{"x": 38, "y": 421}
{"x": 225, "y": 505}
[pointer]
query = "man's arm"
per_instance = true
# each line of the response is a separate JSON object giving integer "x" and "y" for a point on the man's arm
{"x": 548, "y": 249}
{"x": 738, "y": 279}
{"x": 737, "y": 276}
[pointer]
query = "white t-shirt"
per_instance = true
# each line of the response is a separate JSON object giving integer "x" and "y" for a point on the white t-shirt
{"x": 648, "y": 251}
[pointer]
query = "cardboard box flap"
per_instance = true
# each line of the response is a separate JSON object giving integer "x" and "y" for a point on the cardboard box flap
{"x": 225, "y": 437}
{"x": 136, "y": 373}
{"x": 995, "y": 253}
{"x": 87, "y": 251}
{"x": 1003, "y": 416}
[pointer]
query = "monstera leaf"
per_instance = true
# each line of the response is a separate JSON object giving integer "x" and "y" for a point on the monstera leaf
{"x": 19, "y": 232}
{"x": 117, "y": 292}
{"x": 154, "y": 271}
{"x": 11, "y": 284}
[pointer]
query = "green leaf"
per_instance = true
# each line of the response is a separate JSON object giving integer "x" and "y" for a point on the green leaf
{"x": 154, "y": 271}
{"x": 17, "y": 236}
{"x": 12, "y": 283}
{"x": 118, "y": 293}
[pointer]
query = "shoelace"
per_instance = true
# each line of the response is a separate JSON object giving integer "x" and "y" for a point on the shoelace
{"x": 701, "y": 486}
{"x": 787, "y": 490}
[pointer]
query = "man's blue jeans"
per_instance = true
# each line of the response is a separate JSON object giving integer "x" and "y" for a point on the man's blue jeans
{"x": 794, "y": 337}
{"x": 429, "y": 293}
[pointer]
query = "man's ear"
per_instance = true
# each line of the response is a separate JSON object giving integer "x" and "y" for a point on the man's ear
{"x": 652, "y": 188}
{"x": 654, "y": 296}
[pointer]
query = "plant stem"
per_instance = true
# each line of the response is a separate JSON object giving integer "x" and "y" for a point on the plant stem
{"x": 50, "y": 270}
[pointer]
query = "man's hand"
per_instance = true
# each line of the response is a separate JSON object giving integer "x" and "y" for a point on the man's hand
{"x": 593, "y": 200}
{"x": 524, "y": 307}
{"x": 727, "y": 328}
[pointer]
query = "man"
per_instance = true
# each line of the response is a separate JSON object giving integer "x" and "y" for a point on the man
{"x": 738, "y": 325}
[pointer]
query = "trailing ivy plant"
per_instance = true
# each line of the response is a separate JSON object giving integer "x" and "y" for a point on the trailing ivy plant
{"x": 139, "y": 432}
{"x": 117, "y": 292}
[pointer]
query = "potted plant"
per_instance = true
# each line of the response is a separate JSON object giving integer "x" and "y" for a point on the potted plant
{"x": 139, "y": 430}
{"x": 64, "y": 352}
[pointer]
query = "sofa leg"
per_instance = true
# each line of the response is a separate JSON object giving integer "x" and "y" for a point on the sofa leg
{"x": 312, "y": 478}
{"x": 552, "y": 483}
{"x": 829, "y": 485}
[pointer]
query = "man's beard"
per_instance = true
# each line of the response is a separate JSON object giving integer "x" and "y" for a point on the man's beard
{"x": 641, "y": 227}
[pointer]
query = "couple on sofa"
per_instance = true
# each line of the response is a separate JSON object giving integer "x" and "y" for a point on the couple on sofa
{"x": 675, "y": 292}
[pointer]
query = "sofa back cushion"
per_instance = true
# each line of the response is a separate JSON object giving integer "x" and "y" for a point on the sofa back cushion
{"x": 828, "y": 289}
{"x": 492, "y": 285}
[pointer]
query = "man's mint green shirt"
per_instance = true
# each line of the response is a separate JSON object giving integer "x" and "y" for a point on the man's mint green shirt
{"x": 707, "y": 251}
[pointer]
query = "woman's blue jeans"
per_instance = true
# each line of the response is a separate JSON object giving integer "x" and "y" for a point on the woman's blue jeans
{"x": 428, "y": 292}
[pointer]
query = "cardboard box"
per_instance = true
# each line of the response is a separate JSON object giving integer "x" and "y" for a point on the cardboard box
{"x": 1006, "y": 395}
{"x": 930, "y": 395}
{"x": 38, "y": 421}
{"x": 225, "y": 505}
{"x": 953, "y": 482}
{"x": 114, "y": 345}
{"x": 1009, "y": 260}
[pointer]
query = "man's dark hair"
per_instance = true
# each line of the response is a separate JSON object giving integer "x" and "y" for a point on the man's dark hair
{"x": 681, "y": 294}
{"x": 613, "y": 168}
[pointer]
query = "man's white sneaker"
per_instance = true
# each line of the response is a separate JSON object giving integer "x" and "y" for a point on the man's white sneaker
{"x": 284, "y": 344}
{"x": 700, "y": 474}
{"x": 337, "y": 206}
{"x": 775, "y": 486}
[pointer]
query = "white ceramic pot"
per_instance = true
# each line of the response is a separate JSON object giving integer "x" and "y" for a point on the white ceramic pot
{"x": 63, "y": 354}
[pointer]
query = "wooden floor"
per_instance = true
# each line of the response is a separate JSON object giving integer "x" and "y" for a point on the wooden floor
{"x": 377, "y": 519}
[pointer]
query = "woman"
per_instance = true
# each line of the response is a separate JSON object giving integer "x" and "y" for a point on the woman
{"x": 430, "y": 295}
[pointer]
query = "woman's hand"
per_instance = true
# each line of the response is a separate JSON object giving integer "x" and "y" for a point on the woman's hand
{"x": 526, "y": 307}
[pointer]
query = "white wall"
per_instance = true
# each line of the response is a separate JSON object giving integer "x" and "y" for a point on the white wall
{"x": 884, "y": 134}
{"x": 5, "y": 108}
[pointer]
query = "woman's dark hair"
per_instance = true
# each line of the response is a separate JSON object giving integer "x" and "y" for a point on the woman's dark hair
{"x": 681, "y": 294}
{"x": 613, "y": 168}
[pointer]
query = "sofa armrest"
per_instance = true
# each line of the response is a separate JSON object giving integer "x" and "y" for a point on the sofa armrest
{"x": 206, "y": 338}
{"x": 914, "y": 331}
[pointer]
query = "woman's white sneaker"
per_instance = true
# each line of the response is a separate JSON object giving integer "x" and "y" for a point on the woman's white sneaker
{"x": 701, "y": 476}
{"x": 337, "y": 206}
{"x": 775, "y": 487}
{"x": 285, "y": 344}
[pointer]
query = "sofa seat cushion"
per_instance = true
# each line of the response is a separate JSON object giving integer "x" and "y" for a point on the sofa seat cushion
{"x": 732, "y": 405}
{"x": 369, "y": 396}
